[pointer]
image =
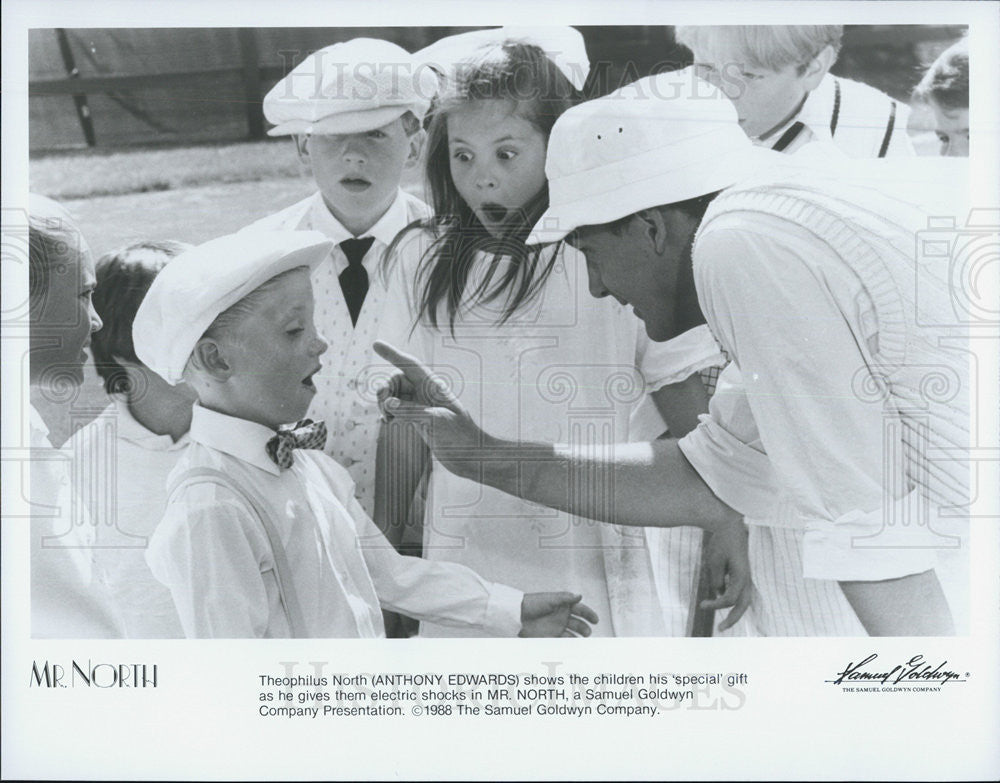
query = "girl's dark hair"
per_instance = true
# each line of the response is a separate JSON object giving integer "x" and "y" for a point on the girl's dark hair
{"x": 539, "y": 93}
{"x": 123, "y": 278}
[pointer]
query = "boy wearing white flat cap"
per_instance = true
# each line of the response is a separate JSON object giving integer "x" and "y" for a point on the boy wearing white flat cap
{"x": 354, "y": 110}
{"x": 263, "y": 536}
{"x": 807, "y": 279}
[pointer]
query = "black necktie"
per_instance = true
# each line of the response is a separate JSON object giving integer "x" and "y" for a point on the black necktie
{"x": 354, "y": 279}
{"x": 788, "y": 136}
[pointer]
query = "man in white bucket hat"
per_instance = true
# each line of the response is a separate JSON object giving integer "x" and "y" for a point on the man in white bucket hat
{"x": 807, "y": 278}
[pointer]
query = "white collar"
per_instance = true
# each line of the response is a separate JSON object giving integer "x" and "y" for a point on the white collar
{"x": 240, "y": 438}
{"x": 395, "y": 219}
{"x": 817, "y": 111}
{"x": 131, "y": 430}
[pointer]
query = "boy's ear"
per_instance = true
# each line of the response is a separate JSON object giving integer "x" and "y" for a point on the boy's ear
{"x": 302, "y": 147}
{"x": 416, "y": 145}
{"x": 818, "y": 67}
{"x": 208, "y": 357}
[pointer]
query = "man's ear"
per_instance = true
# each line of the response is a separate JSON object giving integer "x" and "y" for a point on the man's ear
{"x": 302, "y": 147}
{"x": 653, "y": 228}
{"x": 416, "y": 145}
{"x": 818, "y": 67}
{"x": 209, "y": 357}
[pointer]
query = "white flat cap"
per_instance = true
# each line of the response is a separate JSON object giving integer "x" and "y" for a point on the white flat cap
{"x": 350, "y": 87}
{"x": 197, "y": 285}
{"x": 659, "y": 140}
{"x": 563, "y": 45}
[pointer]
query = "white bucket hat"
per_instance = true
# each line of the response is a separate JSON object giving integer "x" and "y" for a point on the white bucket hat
{"x": 659, "y": 140}
{"x": 350, "y": 87}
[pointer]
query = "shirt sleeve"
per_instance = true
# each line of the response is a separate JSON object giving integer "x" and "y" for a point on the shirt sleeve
{"x": 212, "y": 553}
{"x": 445, "y": 593}
{"x": 790, "y": 313}
{"x": 675, "y": 360}
{"x": 662, "y": 364}
{"x": 726, "y": 450}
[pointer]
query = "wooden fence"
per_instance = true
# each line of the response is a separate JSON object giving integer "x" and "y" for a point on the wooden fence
{"x": 117, "y": 87}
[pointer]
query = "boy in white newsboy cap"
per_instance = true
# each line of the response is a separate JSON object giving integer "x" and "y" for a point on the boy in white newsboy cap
{"x": 806, "y": 274}
{"x": 354, "y": 110}
{"x": 262, "y": 536}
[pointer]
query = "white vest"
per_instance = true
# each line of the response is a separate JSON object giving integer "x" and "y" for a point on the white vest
{"x": 870, "y": 213}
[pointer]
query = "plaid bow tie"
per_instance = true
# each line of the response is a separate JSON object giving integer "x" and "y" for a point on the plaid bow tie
{"x": 306, "y": 434}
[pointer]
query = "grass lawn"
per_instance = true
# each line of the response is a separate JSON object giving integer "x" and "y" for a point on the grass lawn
{"x": 91, "y": 173}
{"x": 191, "y": 214}
{"x": 115, "y": 172}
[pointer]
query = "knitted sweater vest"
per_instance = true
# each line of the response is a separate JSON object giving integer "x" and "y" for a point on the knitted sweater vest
{"x": 918, "y": 365}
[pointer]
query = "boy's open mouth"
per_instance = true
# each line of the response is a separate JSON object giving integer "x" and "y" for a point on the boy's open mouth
{"x": 494, "y": 213}
{"x": 308, "y": 380}
{"x": 355, "y": 184}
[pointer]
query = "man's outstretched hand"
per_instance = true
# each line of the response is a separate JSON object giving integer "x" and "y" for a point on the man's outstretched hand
{"x": 416, "y": 395}
{"x": 555, "y": 614}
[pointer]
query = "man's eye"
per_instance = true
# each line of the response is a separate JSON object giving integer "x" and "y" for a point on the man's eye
{"x": 507, "y": 154}
{"x": 943, "y": 137}
{"x": 751, "y": 76}
{"x": 376, "y": 134}
{"x": 295, "y": 330}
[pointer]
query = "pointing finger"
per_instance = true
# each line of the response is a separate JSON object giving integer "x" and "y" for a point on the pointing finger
{"x": 410, "y": 365}
{"x": 416, "y": 378}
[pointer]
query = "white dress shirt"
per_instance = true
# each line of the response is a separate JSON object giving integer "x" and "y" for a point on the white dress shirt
{"x": 212, "y": 551}
{"x": 345, "y": 394}
{"x": 861, "y": 121}
{"x": 121, "y": 474}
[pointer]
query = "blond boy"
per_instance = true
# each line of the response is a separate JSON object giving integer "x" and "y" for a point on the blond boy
{"x": 778, "y": 78}
{"x": 263, "y": 535}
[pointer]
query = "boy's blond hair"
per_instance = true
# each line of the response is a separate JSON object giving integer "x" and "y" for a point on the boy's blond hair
{"x": 770, "y": 47}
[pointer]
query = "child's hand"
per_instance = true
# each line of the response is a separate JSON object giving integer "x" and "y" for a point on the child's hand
{"x": 555, "y": 614}
{"x": 729, "y": 570}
